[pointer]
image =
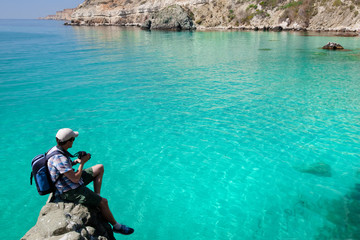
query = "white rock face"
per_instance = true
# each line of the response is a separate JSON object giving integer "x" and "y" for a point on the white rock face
{"x": 225, "y": 13}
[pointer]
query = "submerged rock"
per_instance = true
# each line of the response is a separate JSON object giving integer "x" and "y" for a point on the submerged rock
{"x": 344, "y": 215}
{"x": 60, "y": 220}
{"x": 319, "y": 169}
{"x": 173, "y": 17}
{"x": 333, "y": 46}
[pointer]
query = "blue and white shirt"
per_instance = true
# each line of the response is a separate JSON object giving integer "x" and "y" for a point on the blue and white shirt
{"x": 59, "y": 164}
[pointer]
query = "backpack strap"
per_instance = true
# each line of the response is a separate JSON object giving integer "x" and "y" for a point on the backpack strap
{"x": 48, "y": 156}
{"x": 53, "y": 154}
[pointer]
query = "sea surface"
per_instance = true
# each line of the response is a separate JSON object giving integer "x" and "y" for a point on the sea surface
{"x": 203, "y": 135}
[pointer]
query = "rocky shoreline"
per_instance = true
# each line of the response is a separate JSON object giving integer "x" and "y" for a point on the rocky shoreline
{"x": 276, "y": 15}
{"x": 332, "y": 32}
{"x": 205, "y": 15}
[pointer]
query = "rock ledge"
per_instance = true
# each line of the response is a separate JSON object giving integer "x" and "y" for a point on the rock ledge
{"x": 65, "y": 220}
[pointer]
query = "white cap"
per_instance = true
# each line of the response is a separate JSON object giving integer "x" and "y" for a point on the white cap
{"x": 65, "y": 134}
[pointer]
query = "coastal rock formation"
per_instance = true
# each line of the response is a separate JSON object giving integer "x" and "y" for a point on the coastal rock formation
{"x": 277, "y": 29}
{"x": 316, "y": 15}
{"x": 59, "y": 220}
{"x": 333, "y": 46}
{"x": 173, "y": 17}
{"x": 61, "y": 15}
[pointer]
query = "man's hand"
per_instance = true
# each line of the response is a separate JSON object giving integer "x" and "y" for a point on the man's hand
{"x": 76, "y": 176}
{"x": 76, "y": 162}
{"x": 84, "y": 159}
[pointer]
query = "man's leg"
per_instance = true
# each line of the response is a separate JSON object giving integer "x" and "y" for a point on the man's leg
{"x": 117, "y": 227}
{"x": 105, "y": 210}
{"x": 87, "y": 197}
{"x": 98, "y": 173}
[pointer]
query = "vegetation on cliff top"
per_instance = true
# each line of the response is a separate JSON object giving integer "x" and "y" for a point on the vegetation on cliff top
{"x": 300, "y": 11}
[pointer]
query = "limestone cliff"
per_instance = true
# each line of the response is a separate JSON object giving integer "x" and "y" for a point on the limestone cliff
{"x": 61, "y": 15}
{"x": 289, "y": 14}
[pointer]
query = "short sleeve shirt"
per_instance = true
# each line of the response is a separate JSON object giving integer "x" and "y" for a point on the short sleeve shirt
{"x": 59, "y": 164}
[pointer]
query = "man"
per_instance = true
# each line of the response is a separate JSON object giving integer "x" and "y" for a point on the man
{"x": 71, "y": 185}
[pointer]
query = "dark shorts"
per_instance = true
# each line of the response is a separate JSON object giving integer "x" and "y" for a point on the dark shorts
{"x": 83, "y": 194}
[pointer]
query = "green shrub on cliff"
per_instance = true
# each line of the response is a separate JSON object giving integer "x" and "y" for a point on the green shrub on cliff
{"x": 231, "y": 15}
{"x": 337, "y": 3}
{"x": 254, "y": 6}
{"x": 292, "y": 4}
{"x": 270, "y": 4}
{"x": 247, "y": 18}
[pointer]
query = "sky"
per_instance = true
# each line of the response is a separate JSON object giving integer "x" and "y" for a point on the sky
{"x": 32, "y": 9}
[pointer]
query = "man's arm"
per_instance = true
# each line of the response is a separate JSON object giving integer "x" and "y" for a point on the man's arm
{"x": 76, "y": 176}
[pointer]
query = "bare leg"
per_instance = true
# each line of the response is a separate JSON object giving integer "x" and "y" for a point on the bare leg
{"x": 117, "y": 227}
{"x": 98, "y": 173}
{"x": 105, "y": 210}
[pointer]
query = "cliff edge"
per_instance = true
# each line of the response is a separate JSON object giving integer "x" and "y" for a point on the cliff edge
{"x": 60, "y": 15}
{"x": 313, "y": 15}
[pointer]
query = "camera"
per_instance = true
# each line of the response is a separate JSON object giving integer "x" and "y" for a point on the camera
{"x": 80, "y": 154}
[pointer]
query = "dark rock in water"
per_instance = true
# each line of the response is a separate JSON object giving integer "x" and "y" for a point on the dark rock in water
{"x": 333, "y": 46}
{"x": 318, "y": 169}
{"x": 60, "y": 220}
{"x": 146, "y": 25}
{"x": 277, "y": 29}
{"x": 355, "y": 193}
{"x": 173, "y": 17}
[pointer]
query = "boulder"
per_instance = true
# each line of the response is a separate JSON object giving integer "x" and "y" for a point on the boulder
{"x": 333, "y": 46}
{"x": 173, "y": 17}
{"x": 277, "y": 29}
{"x": 65, "y": 220}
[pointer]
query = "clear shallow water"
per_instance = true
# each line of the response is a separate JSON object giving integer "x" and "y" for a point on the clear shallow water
{"x": 202, "y": 134}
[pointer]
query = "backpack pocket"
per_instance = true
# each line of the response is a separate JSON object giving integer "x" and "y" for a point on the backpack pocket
{"x": 42, "y": 179}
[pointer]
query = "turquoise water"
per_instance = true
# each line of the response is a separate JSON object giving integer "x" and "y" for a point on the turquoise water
{"x": 203, "y": 135}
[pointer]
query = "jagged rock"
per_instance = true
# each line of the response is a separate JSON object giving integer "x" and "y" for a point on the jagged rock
{"x": 333, "y": 46}
{"x": 173, "y": 17}
{"x": 65, "y": 220}
{"x": 319, "y": 169}
{"x": 277, "y": 29}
